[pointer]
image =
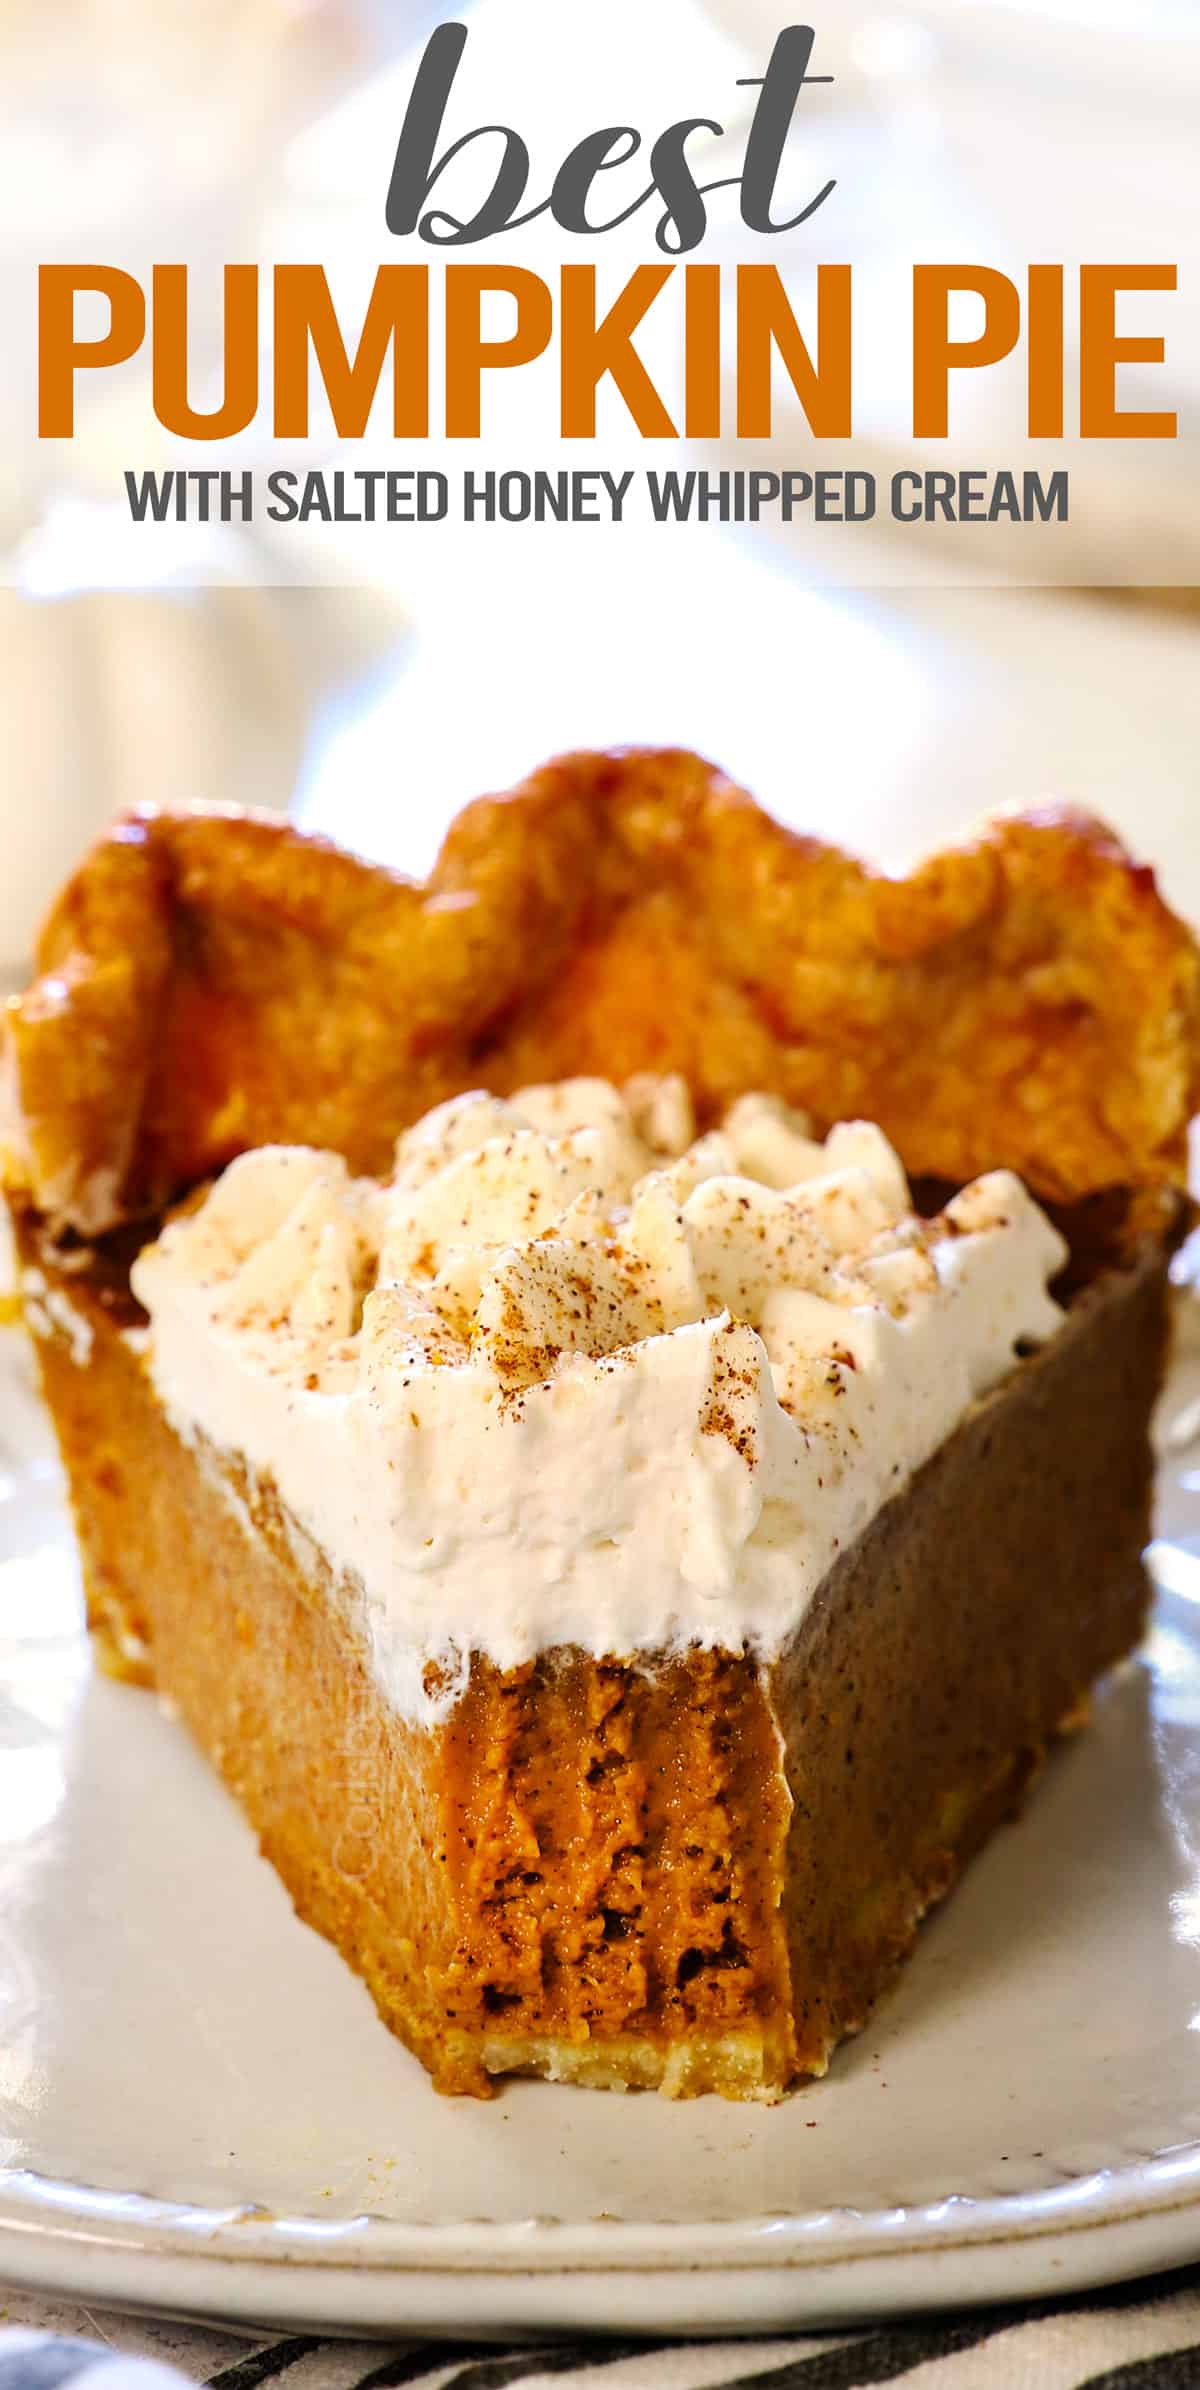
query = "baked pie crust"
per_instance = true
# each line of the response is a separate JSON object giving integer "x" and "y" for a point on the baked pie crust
{"x": 211, "y": 982}
{"x": 684, "y": 1869}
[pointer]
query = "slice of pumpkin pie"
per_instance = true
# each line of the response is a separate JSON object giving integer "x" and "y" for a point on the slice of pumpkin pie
{"x": 570, "y": 1381}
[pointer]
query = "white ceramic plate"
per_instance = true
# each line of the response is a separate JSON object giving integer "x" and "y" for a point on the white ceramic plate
{"x": 199, "y": 2110}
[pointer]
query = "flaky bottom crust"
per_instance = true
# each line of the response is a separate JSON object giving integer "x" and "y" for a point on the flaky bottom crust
{"x": 685, "y": 1871}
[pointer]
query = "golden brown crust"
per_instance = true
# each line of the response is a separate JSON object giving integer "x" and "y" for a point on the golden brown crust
{"x": 212, "y": 982}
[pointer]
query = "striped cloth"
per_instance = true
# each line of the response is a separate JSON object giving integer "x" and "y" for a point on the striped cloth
{"x": 1138, "y": 2336}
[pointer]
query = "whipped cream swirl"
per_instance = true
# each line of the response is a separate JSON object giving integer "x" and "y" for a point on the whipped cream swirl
{"x": 576, "y": 1376}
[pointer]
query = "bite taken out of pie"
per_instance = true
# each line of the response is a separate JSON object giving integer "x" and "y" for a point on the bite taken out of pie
{"x": 611, "y": 1389}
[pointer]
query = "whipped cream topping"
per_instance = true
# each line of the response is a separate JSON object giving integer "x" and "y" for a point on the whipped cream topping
{"x": 576, "y": 1376}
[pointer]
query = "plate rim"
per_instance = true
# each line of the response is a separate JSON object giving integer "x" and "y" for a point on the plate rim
{"x": 154, "y": 2268}
{"x": 1165, "y": 2183}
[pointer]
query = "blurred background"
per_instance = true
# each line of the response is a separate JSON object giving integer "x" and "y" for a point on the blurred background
{"x": 881, "y": 689}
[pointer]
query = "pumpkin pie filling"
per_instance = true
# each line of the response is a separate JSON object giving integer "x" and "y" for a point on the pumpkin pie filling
{"x": 623, "y": 1555}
